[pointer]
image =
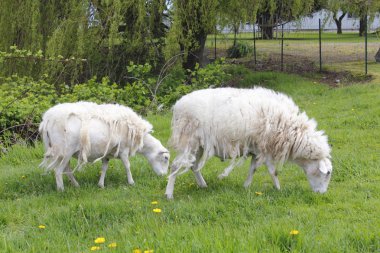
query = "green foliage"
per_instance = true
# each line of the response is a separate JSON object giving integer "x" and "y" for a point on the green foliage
{"x": 239, "y": 50}
{"x": 212, "y": 75}
{"x": 115, "y": 33}
{"x": 99, "y": 92}
{"x": 192, "y": 21}
{"x": 22, "y": 102}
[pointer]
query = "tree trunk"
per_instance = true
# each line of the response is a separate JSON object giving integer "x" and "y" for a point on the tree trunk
{"x": 236, "y": 30}
{"x": 195, "y": 52}
{"x": 265, "y": 22}
{"x": 338, "y": 22}
{"x": 267, "y": 32}
{"x": 362, "y": 25}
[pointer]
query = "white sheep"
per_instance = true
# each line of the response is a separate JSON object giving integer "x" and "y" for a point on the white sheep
{"x": 93, "y": 132}
{"x": 230, "y": 123}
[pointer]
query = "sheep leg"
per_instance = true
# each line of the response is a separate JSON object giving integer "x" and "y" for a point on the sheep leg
{"x": 59, "y": 172}
{"x": 196, "y": 168}
{"x": 251, "y": 171}
{"x": 227, "y": 170}
{"x": 104, "y": 170}
{"x": 124, "y": 157}
{"x": 171, "y": 181}
{"x": 273, "y": 172}
{"x": 70, "y": 175}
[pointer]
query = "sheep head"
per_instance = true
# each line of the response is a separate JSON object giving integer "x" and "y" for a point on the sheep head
{"x": 157, "y": 155}
{"x": 318, "y": 173}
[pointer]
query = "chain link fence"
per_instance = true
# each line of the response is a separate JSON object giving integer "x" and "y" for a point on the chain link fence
{"x": 299, "y": 50}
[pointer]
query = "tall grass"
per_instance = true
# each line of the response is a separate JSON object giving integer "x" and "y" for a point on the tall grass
{"x": 225, "y": 217}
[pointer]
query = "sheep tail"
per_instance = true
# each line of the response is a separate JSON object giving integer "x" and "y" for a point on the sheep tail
{"x": 85, "y": 145}
{"x": 47, "y": 162}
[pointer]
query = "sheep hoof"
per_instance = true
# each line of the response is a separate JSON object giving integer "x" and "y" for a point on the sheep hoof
{"x": 131, "y": 183}
{"x": 202, "y": 185}
{"x": 221, "y": 176}
{"x": 247, "y": 184}
{"x": 101, "y": 185}
{"x": 169, "y": 196}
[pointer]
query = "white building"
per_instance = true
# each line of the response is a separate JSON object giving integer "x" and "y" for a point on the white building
{"x": 311, "y": 22}
{"x": 349, "y": 22}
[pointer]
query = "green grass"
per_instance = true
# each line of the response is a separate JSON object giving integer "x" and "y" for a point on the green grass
{"x": 302, "y": 36}
{"x": 345, "y": 52}
{"x": 225, "y": 217}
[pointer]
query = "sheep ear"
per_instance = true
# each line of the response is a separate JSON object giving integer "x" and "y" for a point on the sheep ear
{"x": 313, "y": 124}
{"x": 325, "y": 166}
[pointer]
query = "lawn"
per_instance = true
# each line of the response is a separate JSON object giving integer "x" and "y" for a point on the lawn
{"x": 345, "y": 52}
{"x": 225, "y": 217}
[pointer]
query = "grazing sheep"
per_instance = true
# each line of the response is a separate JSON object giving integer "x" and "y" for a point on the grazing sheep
{"x": 231, "y": 123}
{"x": 93, "y": 132}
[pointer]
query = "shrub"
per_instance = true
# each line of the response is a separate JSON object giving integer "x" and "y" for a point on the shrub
{"x": 212, "y": 75}
{"x": 239, "y": 50}
{"x": 92, "y": 90}
{"x": 22, "y": 102}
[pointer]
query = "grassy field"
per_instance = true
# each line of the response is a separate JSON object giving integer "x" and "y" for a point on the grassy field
{"x": 345, "y": 52}
{"x": 225, "y": 217}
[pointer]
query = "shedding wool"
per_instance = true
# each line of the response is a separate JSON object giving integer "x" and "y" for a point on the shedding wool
{"x": 123, "y": 124}
{"x": 231, "y": 123}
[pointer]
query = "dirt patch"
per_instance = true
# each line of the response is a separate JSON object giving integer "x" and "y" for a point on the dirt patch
{"x": 304, "y": 67}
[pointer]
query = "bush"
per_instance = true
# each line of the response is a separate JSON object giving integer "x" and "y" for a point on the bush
{"x": 23, "y": 100}
{"x": 238, "y": 50}
{"x": 99, "y": 92}
{"x": 212, "y": 75}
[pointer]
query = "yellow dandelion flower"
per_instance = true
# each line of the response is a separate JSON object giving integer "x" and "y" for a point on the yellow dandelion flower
{"x": 100, "y": 240}
{"x": 23, "y": 176}
{"x": 148, "y": 251}
{"x": 157, "y": 210}
{"x": 154, "y": 202}
{"x": 112, "y": 245}
{"x": 258, "y": 193}
{"x": 93, "y": 248}
{"x": 41, "y": 226}
{"x": 137, "y": 251}
{"x": 294, "y": 232}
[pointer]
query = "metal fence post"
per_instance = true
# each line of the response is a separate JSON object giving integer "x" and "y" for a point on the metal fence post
{"x": 282, "y": 47}
{"x": 254, "y": 43}
{"x": 215, "y": 43}
{"x": 320, "y": 46}
{"x": 365, "y": 45}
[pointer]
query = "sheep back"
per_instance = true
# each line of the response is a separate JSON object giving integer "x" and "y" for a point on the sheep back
{"x": 230, "y": 123}
{"x": 123, "y": 124}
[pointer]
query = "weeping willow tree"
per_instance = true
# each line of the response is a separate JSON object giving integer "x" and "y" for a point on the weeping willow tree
{"x": 19, "y": 25}
{"x": 274, "y": 12}
{"x": 80, "y": 39}
{"x": 193, "y": 20}
{"x": 235, "y": 13}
